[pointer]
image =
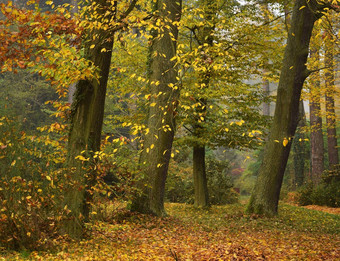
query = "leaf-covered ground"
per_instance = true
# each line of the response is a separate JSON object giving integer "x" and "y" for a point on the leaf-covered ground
{"x": 221, "y": 233}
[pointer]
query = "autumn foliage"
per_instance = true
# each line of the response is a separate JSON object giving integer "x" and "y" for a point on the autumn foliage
{"x": 56, "y": 47}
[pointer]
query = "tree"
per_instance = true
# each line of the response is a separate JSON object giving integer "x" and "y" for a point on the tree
{"x": 204, "y": 38}
{"x": 215, "y": 80}
{"x": 265, "y": 197}
{"x": 164, "y": 94}
{"x": 88, "y": 111}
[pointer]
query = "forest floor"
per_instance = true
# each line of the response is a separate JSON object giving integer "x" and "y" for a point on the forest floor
{"x": 220, "y": 233}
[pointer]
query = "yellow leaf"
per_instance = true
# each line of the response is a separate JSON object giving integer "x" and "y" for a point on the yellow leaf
{"x": 172, "y": 155}
{"x": 285, "y": 142}
{"x": 92, "y": 46}
{"x": 13, "y": 163}
{"x": 152, "y": 104}
{"x": 239, "y": 123}
{"x": 302, "y": 7}
{"x": 48, "y": 178}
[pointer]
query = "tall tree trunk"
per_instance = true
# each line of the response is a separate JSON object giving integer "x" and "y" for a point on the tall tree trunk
{"x": 265, "y": 197}
{"x": 85, "y": 135}
{"x": 157, "y": 146}
{"x": 316, "y": 136}
{"x": 87, "y": 119}
{"x": 201, "y": 198}
{"x": 333, "y": 155}
{"x": 205, "y": 40}
{"x": 200, "y": 177}
{"x": 299, "y": 148}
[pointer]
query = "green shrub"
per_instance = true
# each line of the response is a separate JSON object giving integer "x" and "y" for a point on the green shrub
{"x": 305, "y": 194}
{"x": 220, "y": 185}
{"x": 180, "y": 187}
{"x": 327, "y": 193}
{"x": 30, "y": 190}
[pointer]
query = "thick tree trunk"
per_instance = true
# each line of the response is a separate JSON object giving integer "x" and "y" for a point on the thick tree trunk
{"x": 156, "y": 153}
{"x": 200, "y": 177}
{"x": 333, "y": 155}
{"x": 265, "y": 197}
{"x": 299, "y": 149}
{"x": 316, "y": 136}
{"x": 85, "y": 133}
{"x": 201, "y": 194}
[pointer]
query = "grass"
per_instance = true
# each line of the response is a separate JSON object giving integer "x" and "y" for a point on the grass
{"x": 220, "y": 233}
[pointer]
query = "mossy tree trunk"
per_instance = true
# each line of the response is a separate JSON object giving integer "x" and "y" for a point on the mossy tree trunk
{"x": 164, "y": 92}
{"x": 85, "y": 135}
{"x": 201, "y": 195}
{"x": 87, "y": 119}
{"x": 200, "y": 178}
{"x": 265, "y": 197}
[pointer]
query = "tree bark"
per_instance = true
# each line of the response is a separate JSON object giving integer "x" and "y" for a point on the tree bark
{"x": 85, "y": 135}
{"x": 316, "y": 136}
{"x": 333, "y": 155}
{"x": 157, "y": 146}
{"x": 201, "y": 195}
{"x": 265, "y": 197}
{"x": 200, "y": 177}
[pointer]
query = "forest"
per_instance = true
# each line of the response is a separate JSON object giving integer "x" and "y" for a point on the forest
{"x": 169, "y": 130}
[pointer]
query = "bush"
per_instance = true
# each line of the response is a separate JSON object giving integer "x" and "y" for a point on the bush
{"x": 220, "y": 185}
{"x": 327, "y": 193}
{"x": 30, "y": 191}
{"x": 180, "y": 187}
{"x": 305, "y": 194}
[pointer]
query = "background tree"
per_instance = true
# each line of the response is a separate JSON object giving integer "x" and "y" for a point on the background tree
{"x": 219, "y": 97}
{"x": 164, "y": 93}
{"x": 88, "y": 109}
{"x": 264, "y": 199}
